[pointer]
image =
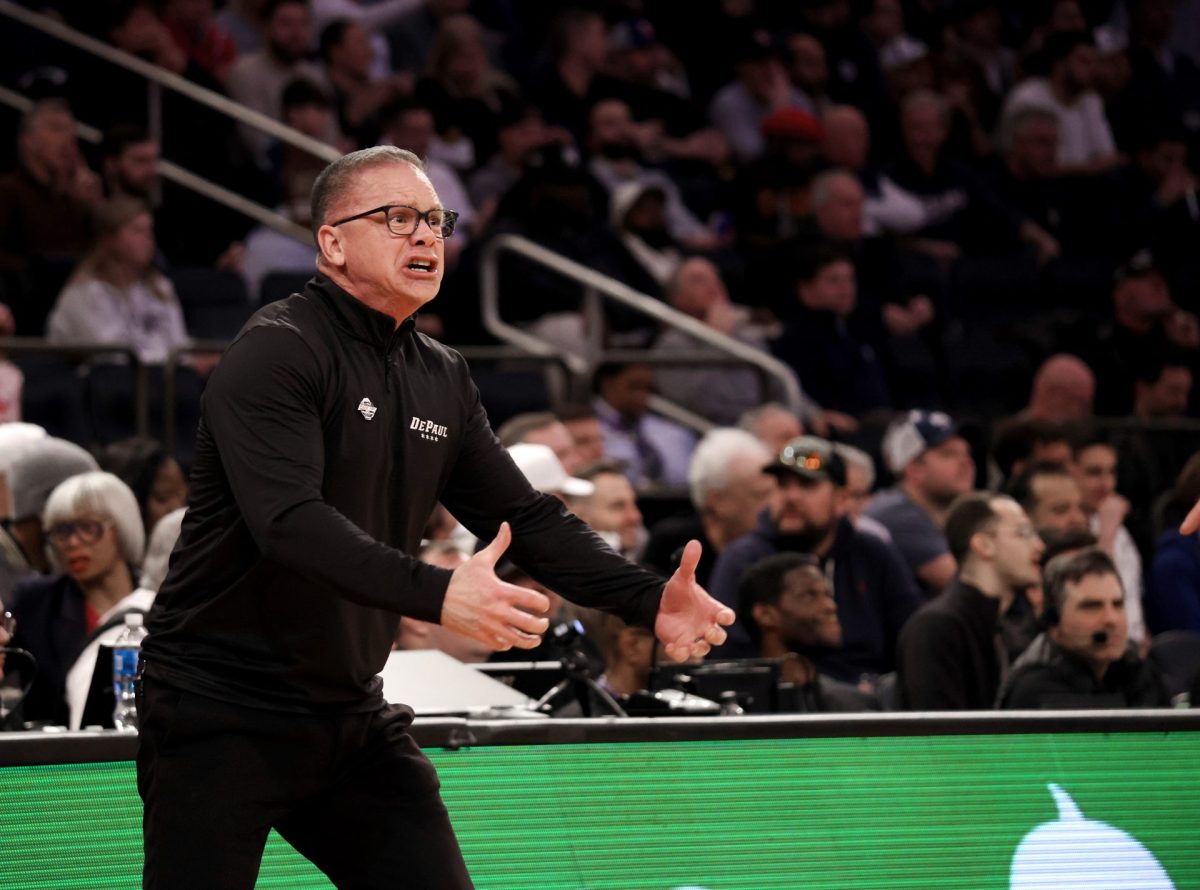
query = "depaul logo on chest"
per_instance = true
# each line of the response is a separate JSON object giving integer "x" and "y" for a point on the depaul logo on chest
{"x": 428, "y": 430}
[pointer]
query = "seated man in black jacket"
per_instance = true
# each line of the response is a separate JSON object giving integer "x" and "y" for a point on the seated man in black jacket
{"x": 1084, "y": 658}
{"x": 950, "y": 655}
{"x": 786, "y": 605}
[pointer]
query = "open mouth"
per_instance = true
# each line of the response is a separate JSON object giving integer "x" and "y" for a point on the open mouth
{"x": 422, "y": 267}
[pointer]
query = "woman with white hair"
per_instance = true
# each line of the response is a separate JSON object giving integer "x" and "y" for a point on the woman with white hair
{"x": 94, "y": 528}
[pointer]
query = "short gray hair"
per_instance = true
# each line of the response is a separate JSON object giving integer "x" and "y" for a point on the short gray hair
{"x": 337, "y": 177}
{"x": 1014, "y": 123}
{"x": 709, "y": 469}
{"x": 859, "y": 458}
{"x": 822, "y": 185}
{"x": 750, "y": 418}
{"x": 101, "y": 494}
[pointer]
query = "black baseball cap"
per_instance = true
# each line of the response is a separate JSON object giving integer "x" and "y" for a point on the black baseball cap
{"x": 809, "y": 457}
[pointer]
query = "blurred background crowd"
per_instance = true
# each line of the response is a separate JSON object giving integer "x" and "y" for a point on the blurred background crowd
{"x": 967, "y": 229}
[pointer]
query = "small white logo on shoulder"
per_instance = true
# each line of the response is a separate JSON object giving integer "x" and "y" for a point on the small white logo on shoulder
{"x": 366, "y": 409}
{"x": 428, "y": 430}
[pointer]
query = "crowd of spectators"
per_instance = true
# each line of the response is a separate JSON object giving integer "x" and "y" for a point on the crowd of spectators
{"x": 967, "y": 229}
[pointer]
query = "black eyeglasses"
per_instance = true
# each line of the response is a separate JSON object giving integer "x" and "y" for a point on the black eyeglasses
{"x": 403, "y": 220}
{"x": 88, "y": 531}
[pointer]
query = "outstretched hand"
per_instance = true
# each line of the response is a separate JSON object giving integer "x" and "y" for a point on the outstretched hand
{"x": 481, "y": 606}
{"x": 690, "y": 621}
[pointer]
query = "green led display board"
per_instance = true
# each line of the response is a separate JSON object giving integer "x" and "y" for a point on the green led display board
{"x": 1021, "y": 811}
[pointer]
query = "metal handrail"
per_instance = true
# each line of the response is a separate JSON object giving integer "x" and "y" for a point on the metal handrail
{"x": 174, "y": 82}
{"x": 83, "y": 351}
{"x": 187, "y": 179}
{"x": 596, "y": 286}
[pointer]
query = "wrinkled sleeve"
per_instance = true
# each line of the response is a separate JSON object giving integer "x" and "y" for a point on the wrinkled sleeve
{"x": 554, "y": 546}
{"x": 263, "y": 407}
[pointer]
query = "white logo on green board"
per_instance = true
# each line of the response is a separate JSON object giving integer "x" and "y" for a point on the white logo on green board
{"x": 1074, "y": 851}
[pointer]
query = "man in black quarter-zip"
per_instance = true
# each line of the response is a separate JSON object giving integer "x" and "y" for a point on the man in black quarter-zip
{"x": 328, "y": 433}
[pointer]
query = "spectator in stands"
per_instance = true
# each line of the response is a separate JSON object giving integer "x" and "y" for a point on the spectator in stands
{"x": 243, "y": 21}
{"x": 1064, "y": 389}
{"x": 975, "y": 33}
{"x": 545, "y": 473}
{"x": 760, "y": 87}
{"x": 257, "y": 80}
{"x": 1050, "y": 495}
{"x": 1146, "y": 323}
{"x": 412, "y": 36}
{"x": 950, "y": 656}
{"x": 1084, "y": 658}
{"x": 153, "y": 475}
{"x": 1086, "y": 144}
{"x": 414, "y": 633}
{"x": 1165, "y": 80}
{"x": 628, "y": 655}
{"x": 1027, "y": 176}
{"x": 1163, "y": 388}
{"x": 787, "y": 607}
{"x": 1095, "y": 468}
{"x": 728, "y": 490}
{"x": 360, "y": 98}
{"x": 411, "y": 125}
{"x": 934, "y": 467}
{"x": 46, "y": 203}
{"x": 654, "y": 451}
{"x": 116, "y": 295}
{"x": 573, "y": 82}
{"x": 616, "y": 159}
{"x": 808, "y": 69}
{"x": 33, "y": 468}
{"x": 467, "y": 94}
{"x": 306, "y": 107}
{"x": 1157, "y": 203}
{"x": 520, "y": 132}
{"x": 646, "y": 76}
{"x": 860, "y": 483}
{"x": 544, "y": 428}
{"x": 645, "y": 254}
{"x": 717, "y": 392}
{"x": 1020, "y": 441}
{"x": 199, "y": 36}
{"x": 611, "y": 509}
{"x": 772, "y": 424}
{"x": 887, "y": 208}
{"x": 1173, "y": 590}
{"x": 129, "y": 163}
{"x": 583, "y": 424}
{"x": 954, "y": 197}
{"x": 96, "y": 538}
{"x": 873, "y": 590}
{"x": 840, "y": 370}
{"x": 161, "y": 542}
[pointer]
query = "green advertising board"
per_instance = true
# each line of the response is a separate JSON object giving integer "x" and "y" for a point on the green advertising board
{"x": 1019, "y": 811}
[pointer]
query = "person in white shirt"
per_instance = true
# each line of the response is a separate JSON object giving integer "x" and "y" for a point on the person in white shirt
{"x": 1095, "y": 468}
{"x": 1086, "y": 144}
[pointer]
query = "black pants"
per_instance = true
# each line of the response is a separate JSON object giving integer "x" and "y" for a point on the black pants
{"x": 352, "y": 793}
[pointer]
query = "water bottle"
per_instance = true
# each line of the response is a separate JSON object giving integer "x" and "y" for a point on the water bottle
{"x": 126, "y": 649}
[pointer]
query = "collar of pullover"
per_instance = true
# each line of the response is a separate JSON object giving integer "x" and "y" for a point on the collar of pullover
{"x": 356, "y": 317}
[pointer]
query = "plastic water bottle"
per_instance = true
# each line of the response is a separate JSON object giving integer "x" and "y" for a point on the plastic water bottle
{"x": 127, "y": 648}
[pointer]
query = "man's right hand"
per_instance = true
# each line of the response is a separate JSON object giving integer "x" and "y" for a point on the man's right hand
{"x": 481, "y": 606}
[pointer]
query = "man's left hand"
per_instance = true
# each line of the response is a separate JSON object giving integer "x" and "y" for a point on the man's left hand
{"x": 690, "y": 621}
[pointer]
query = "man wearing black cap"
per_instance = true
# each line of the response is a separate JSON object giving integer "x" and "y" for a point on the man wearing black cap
{"x": 871, "y": 585}
{"x": 1146, "y": 322}
{"x": 934, "y": 466}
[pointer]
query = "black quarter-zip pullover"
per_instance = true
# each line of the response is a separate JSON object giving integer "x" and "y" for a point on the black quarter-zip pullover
{"x": 327, "y": 436}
